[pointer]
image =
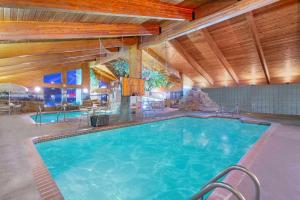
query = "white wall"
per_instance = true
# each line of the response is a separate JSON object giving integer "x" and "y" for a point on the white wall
{"x": 187, "y": 84}
{"x": 274, "y": 99}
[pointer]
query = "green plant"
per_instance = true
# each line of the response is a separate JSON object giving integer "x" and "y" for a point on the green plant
{"x": 94, "y": 82}
{"x": 153, "y": 79}
{"x": 121, "y": 68}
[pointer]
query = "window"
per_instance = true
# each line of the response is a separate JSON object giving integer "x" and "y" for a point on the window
{"x": 52, "y": 97}
{"x": 103, "y": 97}
{"x": 55, "y": 78}
{"x": 176, "y": 95}
{"x": 102, "y": 84}
{"x": 74, "y": 77}
{"x": 74, "y": 96}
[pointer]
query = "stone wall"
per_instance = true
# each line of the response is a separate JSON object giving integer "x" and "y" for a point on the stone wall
{"x": 197, "y": 100}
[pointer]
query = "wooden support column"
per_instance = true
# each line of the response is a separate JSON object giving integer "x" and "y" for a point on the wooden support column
{"x": 64, "y": 76}
{"x": 86, "y": 76}
{"x": 135, "y": 71}
{"x": 135, "y": 62}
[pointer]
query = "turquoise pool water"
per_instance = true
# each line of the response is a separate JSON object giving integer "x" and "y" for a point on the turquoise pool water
{"x": 164, "y": 160}
{"x": 52, "y": 117}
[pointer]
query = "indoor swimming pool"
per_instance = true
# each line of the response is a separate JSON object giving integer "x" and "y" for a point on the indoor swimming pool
{"x": 163, "y": 160}
{"x": 60, "y": 116}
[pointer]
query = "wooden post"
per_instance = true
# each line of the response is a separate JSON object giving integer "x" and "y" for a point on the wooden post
{"x": 135, "y": 71}
{"x": 135, "y": 62}
{"x": 86, "y": 76}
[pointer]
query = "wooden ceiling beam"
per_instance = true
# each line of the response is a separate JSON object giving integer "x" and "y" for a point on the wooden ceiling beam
{"x": 56, "y": 68}
{"x": 158, "y": 58}
{"x": 186, "y": 55}
{"x": 8, "y": 50}
{"x": 6, "y": 62}
{"x": 216, "y": 50}
{"x": 173, "y": 31}
{"x": 127, "y": 8}
{"x": 258, "y": 46}
{"x": 121, "y": 54}
{"x": 33, "y": 30}
{"x": 155, "y": 56}
{"x": 59, "y": 61}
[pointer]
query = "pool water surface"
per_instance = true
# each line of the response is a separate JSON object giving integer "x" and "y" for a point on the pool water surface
{"x": 52, "y": 117}
{"x": 163, "y": 160}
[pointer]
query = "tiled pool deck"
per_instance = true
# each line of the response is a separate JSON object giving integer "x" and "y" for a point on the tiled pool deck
{"x": 18, "y": 181}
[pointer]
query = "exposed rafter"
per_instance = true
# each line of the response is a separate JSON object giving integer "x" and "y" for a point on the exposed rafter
{"x": 37, "y": 73}
{"x": 132, "y": 8}
{"x": 33, "y": 30}
{"x": 123, "y": 53}
{"x": 8, "y": 50}
{"x": 58, "y": 68}
{"x": 254, "y": 32}
{"x": 159, "y": 59}
{"x": 155, "y": 56}
{"x": 214, "y": 47}
{"x": 174, "y": 31}
{"x": 36, "y": 59}
{"x": 14, "y": 69}
{"x": 186, "y": 55}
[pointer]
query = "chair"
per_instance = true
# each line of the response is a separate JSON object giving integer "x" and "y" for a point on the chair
{"x": 85, "y": 112}
{"x": 4, "y": 108}
{"x": 17, "y": 108}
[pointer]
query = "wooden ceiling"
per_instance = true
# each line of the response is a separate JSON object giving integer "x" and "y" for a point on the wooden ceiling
{"x": 216, "y": 43}
{"x": 258, "y": 47}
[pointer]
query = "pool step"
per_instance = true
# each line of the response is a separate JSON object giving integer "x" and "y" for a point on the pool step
{"x": 213, "y": 184}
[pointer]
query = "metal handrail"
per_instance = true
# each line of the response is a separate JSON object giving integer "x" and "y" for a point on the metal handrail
{"x": 215, "y": 185}
{"x": 239, "y": 168}
{"x": 38, "y": 114}
{"x": 63, "y": 110}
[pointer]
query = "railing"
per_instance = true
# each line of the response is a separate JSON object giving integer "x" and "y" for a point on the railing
{"x": 206, "y": 189}
{"x": 84, "y": 112}
{"x": 63, "y": 110}
{"x": 212, "y": 186}
{"x": 38, "y": 116}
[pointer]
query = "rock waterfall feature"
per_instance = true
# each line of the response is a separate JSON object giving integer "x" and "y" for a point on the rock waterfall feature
{"x": 197, "y": 100}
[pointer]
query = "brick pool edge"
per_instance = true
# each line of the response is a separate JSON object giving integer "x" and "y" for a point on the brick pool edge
{"x": 49, "y": 190}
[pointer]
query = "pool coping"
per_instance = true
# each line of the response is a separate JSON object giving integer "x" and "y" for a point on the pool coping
{"x": 49, "y": 190}
{"x": 234, "y": 178}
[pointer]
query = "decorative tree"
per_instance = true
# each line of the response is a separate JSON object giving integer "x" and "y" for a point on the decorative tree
{"x": 94, "y": 82}
{"x": 121, "y": 68}
{"x": 153, "y": 79}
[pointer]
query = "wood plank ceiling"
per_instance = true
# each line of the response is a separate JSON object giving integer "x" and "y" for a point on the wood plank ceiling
{"x": 270, "y": 53}
{"x": 230, "y": 42}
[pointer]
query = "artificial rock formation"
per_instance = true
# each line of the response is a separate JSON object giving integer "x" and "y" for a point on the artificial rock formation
{"x": 197, "y": 100}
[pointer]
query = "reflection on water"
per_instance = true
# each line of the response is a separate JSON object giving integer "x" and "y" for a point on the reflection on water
{"x": 164, "y": 160}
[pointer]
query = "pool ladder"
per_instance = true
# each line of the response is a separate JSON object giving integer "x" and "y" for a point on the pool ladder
{"x": 213, "y": 184}
{"x": 38, "y": 116}
{"x": 63, "y": 110}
